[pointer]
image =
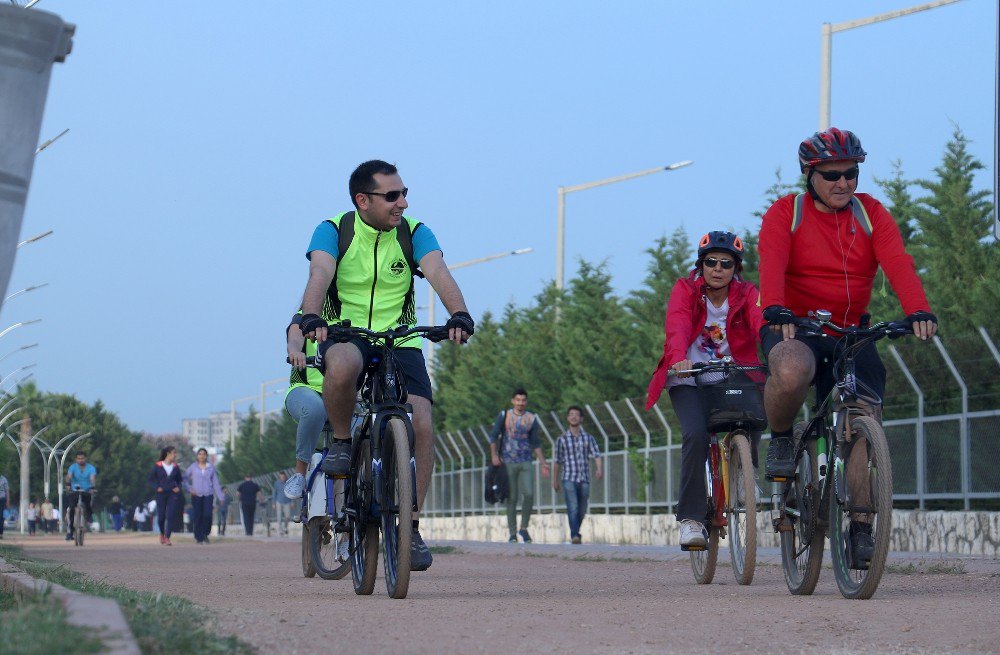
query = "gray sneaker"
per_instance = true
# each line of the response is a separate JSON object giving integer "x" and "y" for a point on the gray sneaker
{"x": 337, "y": 462}
{"x": 420, "y": 555}
{"x": 693, "y": 533}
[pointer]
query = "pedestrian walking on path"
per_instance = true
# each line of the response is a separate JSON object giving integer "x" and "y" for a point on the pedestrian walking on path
{"x": 166, "y": 482}
{"x": 250, "y": 493}
{"x": 203, "y": 483}
{"x": 514, "y": 440}
{"x": 574, "y": 450}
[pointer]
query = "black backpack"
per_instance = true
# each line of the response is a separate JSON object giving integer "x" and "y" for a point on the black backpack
{"x": 496, "y": 486}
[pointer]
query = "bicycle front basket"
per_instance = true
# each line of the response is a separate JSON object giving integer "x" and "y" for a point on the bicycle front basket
{"x": 732, "y": 400}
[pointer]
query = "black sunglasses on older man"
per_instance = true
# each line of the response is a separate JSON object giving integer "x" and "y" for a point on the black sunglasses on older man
{"x": 390, "y": 196}
{"x": 833, "y": 176}
{"x": 726, "y": 264}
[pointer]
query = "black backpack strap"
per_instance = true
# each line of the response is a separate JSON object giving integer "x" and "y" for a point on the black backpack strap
{"x": 345, "y": 234}
{"x": 405, "y": 239}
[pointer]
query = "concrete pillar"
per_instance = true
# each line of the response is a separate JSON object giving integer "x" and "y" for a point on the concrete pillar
{"x": 30, "y": 42}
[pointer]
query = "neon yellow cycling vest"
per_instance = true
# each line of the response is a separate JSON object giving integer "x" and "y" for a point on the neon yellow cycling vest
{"x": 373, "y": 283}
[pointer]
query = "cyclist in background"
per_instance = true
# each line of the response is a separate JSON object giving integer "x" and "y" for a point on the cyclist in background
{"x": 81, "y": 478}
{"x": 711, "y": 313}
{"x": 821, "y": 250}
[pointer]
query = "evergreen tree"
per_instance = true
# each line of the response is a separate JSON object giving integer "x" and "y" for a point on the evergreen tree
{"x": 884, "y": 303}
{"x": 954, "y": 224}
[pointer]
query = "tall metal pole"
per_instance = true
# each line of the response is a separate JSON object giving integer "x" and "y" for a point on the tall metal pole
{"x": 963, "y": 426}
{"x": 826, "y": 32}
{"x": 919, "y": 442}
{"x": 561, "y": 218}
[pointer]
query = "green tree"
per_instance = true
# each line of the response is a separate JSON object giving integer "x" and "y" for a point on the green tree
{"x": 255, "y": 453}
{"x": 670, "y": 260}
{"x": 884, "y": 303}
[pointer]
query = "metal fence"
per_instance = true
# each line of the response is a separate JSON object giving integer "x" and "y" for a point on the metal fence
{"x": 946, "y": 457}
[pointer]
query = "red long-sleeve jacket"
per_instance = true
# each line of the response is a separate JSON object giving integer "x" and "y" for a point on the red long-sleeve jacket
{"x": 830, "y": 262}
{"x": 686, "y": 319}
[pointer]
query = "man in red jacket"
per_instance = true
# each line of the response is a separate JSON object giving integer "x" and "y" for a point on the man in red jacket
{"x": 821, "y": 250}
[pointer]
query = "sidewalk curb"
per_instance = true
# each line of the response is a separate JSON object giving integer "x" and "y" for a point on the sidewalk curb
{"x": 102, "y": 615}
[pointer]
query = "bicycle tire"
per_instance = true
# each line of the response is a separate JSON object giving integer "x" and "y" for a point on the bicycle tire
{"x": 364, "y": 530}
{"x": 308, "y": 570}
{"x": 78, "y": 524}
{"x": 703, "y": 562}
{"x": 853, "y": 583}
{"x": 397, "y": 510}
{"x": 742, "y": 509}
{"x": 323, "y": 547}
{"x": 802, "y": 569}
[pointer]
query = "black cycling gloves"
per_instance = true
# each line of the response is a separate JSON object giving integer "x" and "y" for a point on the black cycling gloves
{"x": 916, "y": 317}
{"x": 778, "y": 315}
{"x": 311, "y": 323}
{"x": 462, "y": 321}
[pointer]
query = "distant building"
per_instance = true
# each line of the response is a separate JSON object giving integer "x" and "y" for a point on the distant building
{"x": 212, "y": 432}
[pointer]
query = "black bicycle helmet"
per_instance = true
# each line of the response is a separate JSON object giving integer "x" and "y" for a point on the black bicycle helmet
{"x": 724, "y": 241}
{"x": 831, "y": 145}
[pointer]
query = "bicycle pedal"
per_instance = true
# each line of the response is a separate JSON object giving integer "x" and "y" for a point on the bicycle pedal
{"x": 776, "y": 478}
{"x": 337, "y": 477}
{"x": 693, "y": 548}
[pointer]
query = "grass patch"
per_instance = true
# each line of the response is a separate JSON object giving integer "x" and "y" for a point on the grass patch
{"x": 633, "y": 560}
{"x": 529, "y": 553}
{"x": 162, "y": 624}
{"x": 444, "y": 550}
{"x": 37, "y": 625}
{"x": 588, "y": 558}
{"x": 954, "y": 567}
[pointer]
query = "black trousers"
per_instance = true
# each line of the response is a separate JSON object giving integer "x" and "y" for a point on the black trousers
{"x": 248, "y": 511}
{"x": 201, "y": 516}
{"x": 692, "y": 503}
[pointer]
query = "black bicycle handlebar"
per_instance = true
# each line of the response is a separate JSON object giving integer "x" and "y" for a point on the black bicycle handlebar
{"x": 346, "y": 332}
{"x": 716, "y": 366}
{"x": 814, "y": 324}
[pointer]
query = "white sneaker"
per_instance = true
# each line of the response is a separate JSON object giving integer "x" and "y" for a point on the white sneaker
{"x": 693, "y": 533}
{"x": 294, "y": 484}
{"x": 344, "y": 550}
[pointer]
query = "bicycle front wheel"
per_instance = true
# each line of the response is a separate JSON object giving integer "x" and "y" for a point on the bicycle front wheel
{"x": 802, "y": 545}
{"x": 870, "y": 509}
{"x": 78, "y": 525}
{"x": 364, "y": 528}
{"x": 397, "y": 513}
{"x": 742, "y": 509}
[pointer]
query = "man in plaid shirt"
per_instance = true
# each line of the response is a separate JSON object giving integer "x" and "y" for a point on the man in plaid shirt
{"x": 573, "y": 450}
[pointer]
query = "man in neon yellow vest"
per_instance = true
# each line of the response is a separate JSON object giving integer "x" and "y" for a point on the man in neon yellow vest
{"x": 371, "y": 284}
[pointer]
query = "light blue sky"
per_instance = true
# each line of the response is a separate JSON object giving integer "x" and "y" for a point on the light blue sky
{"x": 208, "y": 139}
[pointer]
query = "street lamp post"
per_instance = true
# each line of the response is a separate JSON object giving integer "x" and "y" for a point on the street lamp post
{"x": 17, "y": 350}
{"x": 263, "y": 388}
{"x": 17, "y": 325}
{"x": 432, "y": 297}
{"x": 16, "y": 370}
{"x": 37, "y": 237}
{"x": 25, "y": 290}
{"x": 232, "y": 421}
{"x": 561, "y": 221}
{"x": 827, "y": 30}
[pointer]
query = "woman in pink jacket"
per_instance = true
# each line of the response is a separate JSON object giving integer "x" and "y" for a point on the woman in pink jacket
{"x": 711, "y": 313}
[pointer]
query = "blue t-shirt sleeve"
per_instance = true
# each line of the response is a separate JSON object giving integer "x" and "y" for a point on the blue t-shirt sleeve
{"x": 325, "y": 238}
{"x": 424, "y": 242}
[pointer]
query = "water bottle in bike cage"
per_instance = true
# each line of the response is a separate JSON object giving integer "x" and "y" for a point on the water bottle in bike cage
{"x": 821, "y": 460}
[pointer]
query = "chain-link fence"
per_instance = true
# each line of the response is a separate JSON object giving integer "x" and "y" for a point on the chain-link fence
{"x": 947, "y": 459}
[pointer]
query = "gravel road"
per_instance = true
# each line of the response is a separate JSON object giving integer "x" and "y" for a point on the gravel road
{"x": 503, "y": 598}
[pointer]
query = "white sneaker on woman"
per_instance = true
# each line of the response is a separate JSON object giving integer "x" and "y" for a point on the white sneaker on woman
{"x": 693, "y": 533}
{"x": 293, "y": 485}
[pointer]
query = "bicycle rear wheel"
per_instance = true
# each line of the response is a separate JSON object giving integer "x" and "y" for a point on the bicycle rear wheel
{"x": 308, "y": 570}
{"x": 397, "y": 510}
{"x": 323, "y": 547}
{"x": 802, "y": 546}
{"x": 742, "y": 510}
{"x": 854, "y": 582}
{"x": 703, "y": 561}
{"x": 364, "y": 527}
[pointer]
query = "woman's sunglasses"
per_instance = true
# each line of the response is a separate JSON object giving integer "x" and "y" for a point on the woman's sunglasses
{"x": 390, "y": 196}
{"x": 726, "y": 264}
{"x": 833, "y": 176}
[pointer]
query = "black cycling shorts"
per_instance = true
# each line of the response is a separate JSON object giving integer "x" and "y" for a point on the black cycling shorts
{"x": 411, "y": 363}
{"x": 868, "y": 365}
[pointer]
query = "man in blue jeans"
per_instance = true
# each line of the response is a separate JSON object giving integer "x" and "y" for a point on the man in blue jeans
{"x": 574, "y": 449}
